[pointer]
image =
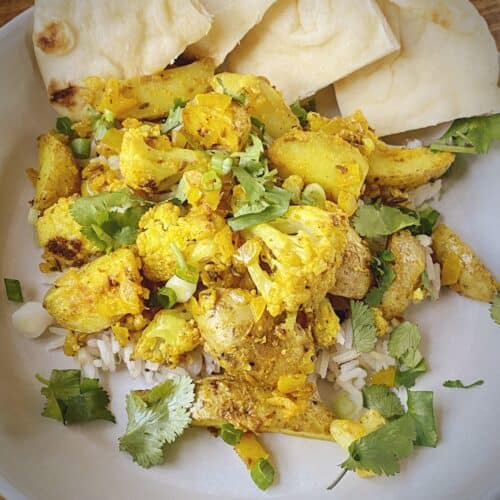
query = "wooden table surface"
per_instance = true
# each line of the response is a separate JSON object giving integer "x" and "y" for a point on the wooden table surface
{"x": 490, "y": 9}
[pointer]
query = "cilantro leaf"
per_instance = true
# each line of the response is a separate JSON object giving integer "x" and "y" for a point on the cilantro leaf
{"x": 420, "y": 407}
{"x": 363, "y": 327}
{"x": 72, "y": 399}
{"x": 109, "y": 220}
{"x": 470, "y": 135}
{"x": 408, "y": 377}
{"x": 300, "y": 113}
{"x": 458, "y": 384}
{"x": 495, "y": 310}
{"x": 426, "y": 284}
{"x": 427, "y": 218}
{"x": 384, "y": 273}
{"x": 174, "y": 118}
{"x": 381, "y": 450}
{"x": 403, "y": 344}
{"x": 382, "y": 399}
{"x": 157, "y": 417}
{"x": 375, "y": 220}
{"x": 240, "y": 97}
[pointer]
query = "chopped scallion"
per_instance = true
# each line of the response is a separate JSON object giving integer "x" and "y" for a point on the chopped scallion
{"x": 166, "y": 297}
{"x": 314, "y": 194}
{"x": 81, "y": 147}
{"x": 63, "y": 125}
{"x": 262, "y": 474}
{"x": 210, "y": 181}
{"x": 230, "y": 434}
{"x": 13, "y": 290}
{"x": 221, "y": 163}
{"x": 183, "y": 270}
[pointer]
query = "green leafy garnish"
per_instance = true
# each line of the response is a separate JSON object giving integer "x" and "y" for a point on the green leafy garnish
{"x": 458, "y": 384}
{"x": 371, "y": 221}
{"x": 166, "y": 297}
{"x": 495, "y": 310}
{"x": 363, "y": 327}
{"x": 241, "y": 97}
{"x": 403, "y": 344}
{"x": 101, "y": 122}
{"x": 73, "y": 399}
{"x": 408, "y": 377}
{"x": 420, "y": 407}
{"x": 384, "y": 275}
{"x": 262, "y": 473}
{"x": 230, "y": 434}
{"x": 470, "y": 135}
{"x": 183, "y": 270}
{"x": 173, "y": 119}
{"x": 13, "y": 290}
{"x": 157, "y": 417}
{"x": 381, "y": 450}
{"x": 381, "y": 398}
{"x": 81, "y": 148}
{"x": 109, "y": 219}
{"x": 427, "y": 218}
{"x": 426, "y": 284}
{"x": 300, "y": 113}
{"x": 63, "y": 126}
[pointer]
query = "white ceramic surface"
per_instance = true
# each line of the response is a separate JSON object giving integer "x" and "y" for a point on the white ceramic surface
{"x": 40, "y": 459}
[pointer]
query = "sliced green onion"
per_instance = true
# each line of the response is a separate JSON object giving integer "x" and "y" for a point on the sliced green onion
{"x": 81, "y": 147}
{"x": 13, "y": 290}
{"x": 109, "y": 116}
{"x": 63, "y": 125}
{"x": 183, "y": 289}
{"x": 230, "y": 434}
{"x": 166, "y": 297}
{"x": 183, "y": 270}
{"x": 210, "y": 181}
{"x": 314, "y": 194}
{"x": 178, "y": 255}
{"x": 262, "y": 474}
{"x": 221, "y": 163}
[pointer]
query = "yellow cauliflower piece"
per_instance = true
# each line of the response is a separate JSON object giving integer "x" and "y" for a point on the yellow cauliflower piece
{"x": 61, "y": 239}
{"x": 98, "y": 176}
{"x": 202, "y": 236}
{"x": 215, "y": 121}
{"x": 326, "y": 324}
{"x": 172, "y": 333}
{"x": 97, "y": 295}
{"x": 293, "y": 259}
{"x": 149, "y": 162}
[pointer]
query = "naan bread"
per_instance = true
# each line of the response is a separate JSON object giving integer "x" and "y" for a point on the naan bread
{"x": 232, "y": 19}
{"x": 304, "y": 45}
{"x": 447, "y": 68}
{"x": 74, "y": 39}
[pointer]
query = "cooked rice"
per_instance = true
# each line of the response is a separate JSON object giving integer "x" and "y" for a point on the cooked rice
{"x": 433, "y": 269}
{"x": 426, "y": 193}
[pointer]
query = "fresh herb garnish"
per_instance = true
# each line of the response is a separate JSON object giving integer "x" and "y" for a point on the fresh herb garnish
{"x": 382, "y": 399}
{"x": 73, "y": 399}
{"x": 495, "y": 309}
{"x": 174, "y": 118}
{"x": 363, "y": 327}
{"x": 230, "y": 434}
{"x": 157, "y": 417}
{"x": 383, "y": 270}
{"x": 13, "y": 290}
{"x": 262, "y": 473}
{"x": 300, "y": 113}
{"x": 458, "y": 384}
{"x": 110, "y": 220}
{"x": 81, "y": 148}
{"x": 101, "y": 122}
{"x": 408, "y": 377}
{"x": 63, "y": 126}
{"x": 403, "y": 344}
{"x": 470, "y": 135}
{"x": 184, "y": 271}
{"x": 427, "y": 218}
{"x": 166, "y": 297}
{"x": 426, "y": 284}
{"x": 420, "y": 407}
{"x": 381, "y": 450}
{"x": 241, "y": 97}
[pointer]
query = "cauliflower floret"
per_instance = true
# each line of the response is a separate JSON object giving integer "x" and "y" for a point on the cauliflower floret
{"x": 172, "y": 333}
{"x": 61, "y": 239}
{"x": 326, "y": 324}
{"x": 149, "y": 162}
{"x": 293, "y": 259}
{"x": 98, "y": 177}
{"x": 213, "y": 121}
{"x": 202, "y": 236}
{"x": 94, "y": 297}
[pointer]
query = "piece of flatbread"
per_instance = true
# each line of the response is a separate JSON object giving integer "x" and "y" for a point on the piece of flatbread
{"x": 304, "y": 45}
{"x": 74, "y": 39}
{"x": 232, "y": 19}
{"x": 447, "y": 68}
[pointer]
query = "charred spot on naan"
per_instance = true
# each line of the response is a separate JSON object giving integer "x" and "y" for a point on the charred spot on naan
{"x": 56, "y": 38}
{"x": 69, "y": 96}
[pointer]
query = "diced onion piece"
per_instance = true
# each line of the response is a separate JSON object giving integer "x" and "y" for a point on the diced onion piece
{"x": 183, "y": 289}
{"x": 31, "y": 319}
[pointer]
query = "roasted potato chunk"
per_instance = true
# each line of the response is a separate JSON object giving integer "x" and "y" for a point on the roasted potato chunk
{"x": 149, "y": 163}
{"x": 148, "y": 97}
{"x": 61, "y": 239}
{"x": 404, "y": 168}
{"x": 262, "y": 100}
{"x": 248, "y": 406}
{"x": 409, "y": 264}
{"x": 215, "y": 121}
{"x": 318, "y": 157}
{"x": 58, "y": 174}
{"x": 461, "y": 269}
{"x": 94, "y": 297}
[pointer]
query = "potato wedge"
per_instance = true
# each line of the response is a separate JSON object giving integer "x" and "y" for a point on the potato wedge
{"x": 262, "y": 100}
{"x": 409, "y": 264}
{"x": 247, "y": 406}
{"x": 461, "y": 269}
{"x": 318, "y": 157}
{"x": 58, "y": 174}
{"x": 148, "y": 97}
{"x": 403, "y": 168}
